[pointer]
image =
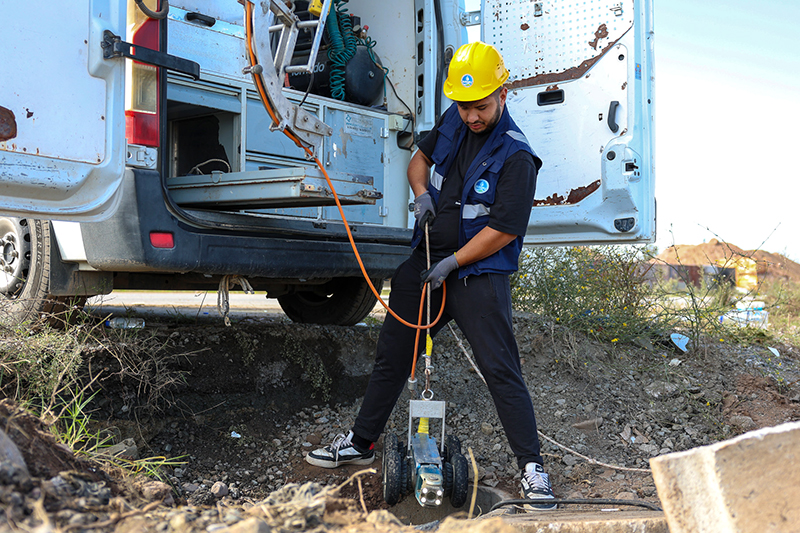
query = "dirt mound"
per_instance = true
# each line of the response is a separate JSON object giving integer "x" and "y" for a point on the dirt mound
{"x": 710, "y": 253}
{"x": 38, "y": 448}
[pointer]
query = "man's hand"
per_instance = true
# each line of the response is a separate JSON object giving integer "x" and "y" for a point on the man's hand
{"x": 424, "y": 211}
{"x": 439, "y": 272}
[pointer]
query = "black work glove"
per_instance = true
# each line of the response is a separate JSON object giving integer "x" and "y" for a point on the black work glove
{"x": 424, "y": 211}
{"x": 439, "y": 272}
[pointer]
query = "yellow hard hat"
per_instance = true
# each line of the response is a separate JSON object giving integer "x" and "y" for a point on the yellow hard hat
{"x": 477, "y": 69}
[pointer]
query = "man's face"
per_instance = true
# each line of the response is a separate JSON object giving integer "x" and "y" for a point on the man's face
{"x": 482, "y": 115}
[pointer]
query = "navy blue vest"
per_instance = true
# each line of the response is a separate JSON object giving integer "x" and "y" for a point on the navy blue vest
{"x": 480, "y": 185}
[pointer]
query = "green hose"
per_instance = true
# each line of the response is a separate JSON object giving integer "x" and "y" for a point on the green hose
{"x": 343, "y": 46}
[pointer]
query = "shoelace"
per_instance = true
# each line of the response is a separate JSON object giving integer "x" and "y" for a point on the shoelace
{"x": 538, "y": 481}
{"x": 341, "y": 441}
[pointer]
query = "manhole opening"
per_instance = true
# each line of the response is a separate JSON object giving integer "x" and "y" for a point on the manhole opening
{"x": 410, "y": 512}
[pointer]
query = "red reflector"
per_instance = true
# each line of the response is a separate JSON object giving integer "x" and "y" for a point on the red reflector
{"x": 141, "y": 128}
{"x": 162, "y": 239}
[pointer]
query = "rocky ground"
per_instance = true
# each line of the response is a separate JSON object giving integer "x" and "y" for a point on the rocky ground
{"x": 241, "y": 406}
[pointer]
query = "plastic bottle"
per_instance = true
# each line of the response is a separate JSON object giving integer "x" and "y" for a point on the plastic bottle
{"x": 125, "y": 323}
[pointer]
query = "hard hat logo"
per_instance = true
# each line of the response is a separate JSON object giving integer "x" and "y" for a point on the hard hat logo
{"x": 476, "y": 71}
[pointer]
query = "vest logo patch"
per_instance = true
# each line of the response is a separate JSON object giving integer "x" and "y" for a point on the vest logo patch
{"x": 481, "y": 186}
{"x": 466, "y": 80}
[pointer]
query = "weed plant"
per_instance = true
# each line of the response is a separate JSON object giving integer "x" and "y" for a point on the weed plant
{"x": 783, "y": 303}
{"x": 600, "y": 291}
{"x": 39, "y": 363}
{"x": 72, "y": 427}
{"x": 619, "y": 294}
{"x": 48, "y": 371}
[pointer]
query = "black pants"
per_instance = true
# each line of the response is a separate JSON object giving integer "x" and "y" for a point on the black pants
{"x": 481, "y": 306}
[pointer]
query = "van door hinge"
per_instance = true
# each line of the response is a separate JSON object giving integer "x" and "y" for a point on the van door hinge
{"x": 470, "y": 18}
{"x": 138, "y": 156}
{"x": 114, "y": 46}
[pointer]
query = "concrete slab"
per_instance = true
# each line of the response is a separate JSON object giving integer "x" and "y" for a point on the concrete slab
{"x": 591, "y": 521}
{"x": 747, "y": 484}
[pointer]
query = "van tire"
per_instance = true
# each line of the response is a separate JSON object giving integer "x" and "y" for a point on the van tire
{"x": 340, "y": 302}
{"x": 24, "y": 292}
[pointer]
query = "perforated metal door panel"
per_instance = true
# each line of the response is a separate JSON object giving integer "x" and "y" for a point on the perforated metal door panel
{"x": 577, "y": 91}
{"x": 549, "y": 41}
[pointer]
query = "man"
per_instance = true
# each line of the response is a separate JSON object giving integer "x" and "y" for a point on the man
{"x": 476, "y": 208}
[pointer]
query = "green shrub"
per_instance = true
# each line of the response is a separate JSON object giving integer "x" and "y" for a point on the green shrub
{"x": 782, "y": 300}
{"x": 621, "y": 293}
{"x": 38, "y": 363}
{"x": 601, "y": 291}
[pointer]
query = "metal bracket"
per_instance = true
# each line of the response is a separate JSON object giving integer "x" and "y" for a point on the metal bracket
{"x": 426, "y": 409}
{"x": 114, "y": 46}
{"x": 617, "y": 9}
{"x": 141, "y": 156}
{"x": 470, "y": 18}
{"x": 309, "y": 123}
{"x": 270, "y": 16}
{"x": 371, "y": 194}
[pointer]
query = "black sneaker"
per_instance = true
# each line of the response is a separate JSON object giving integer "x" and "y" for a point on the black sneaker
{"x": 341, "y": 452}
{"x": 536, "y": 486}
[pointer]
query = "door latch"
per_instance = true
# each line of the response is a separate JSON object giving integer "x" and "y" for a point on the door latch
{"x": 114, "y": 46}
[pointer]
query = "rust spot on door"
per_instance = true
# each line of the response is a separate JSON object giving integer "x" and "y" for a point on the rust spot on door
{"x": 575, "y": 195}
{"x": 570, "y": 74}
{"x": 8, "y": 124}
{"x": 601, "y": 33}
{"x": 578, "y": 194}
{"x": 524, "y": 26}
{"x": 28, "y": 113}
{"x": 553, "y": 199}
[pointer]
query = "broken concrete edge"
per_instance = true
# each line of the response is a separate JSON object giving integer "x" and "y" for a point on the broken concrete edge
{"x": 588, "y": 521}
{"x": 699, "y": 488}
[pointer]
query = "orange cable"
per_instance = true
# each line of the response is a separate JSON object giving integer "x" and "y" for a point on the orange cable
{"x": 262, "y": 93}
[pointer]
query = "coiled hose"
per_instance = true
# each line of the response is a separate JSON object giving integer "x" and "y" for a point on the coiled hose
{"x": 343, "y": 46}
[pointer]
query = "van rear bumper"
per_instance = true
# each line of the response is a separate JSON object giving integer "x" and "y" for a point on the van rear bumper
{"x": 235, "y": 244}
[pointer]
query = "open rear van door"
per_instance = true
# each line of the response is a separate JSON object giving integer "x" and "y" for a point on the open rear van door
{"x": 62, "y": 114}
{"x": 581, "y": 89}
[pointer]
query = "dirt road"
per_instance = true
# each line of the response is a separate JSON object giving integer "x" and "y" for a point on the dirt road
{"x": 187, "y": 305}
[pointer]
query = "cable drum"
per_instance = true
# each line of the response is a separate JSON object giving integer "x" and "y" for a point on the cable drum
{"x": 363, "y": 79}
{"x": 346, "y": 68}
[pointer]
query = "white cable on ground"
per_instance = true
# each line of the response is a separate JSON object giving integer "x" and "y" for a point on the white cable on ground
{"x": 466, "y": 353}
{"x": 223, "y": 296}
{"x": 545, "y": 437}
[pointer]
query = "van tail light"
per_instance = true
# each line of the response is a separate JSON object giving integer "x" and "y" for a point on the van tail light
{"x": 142, "y": 81}
{"x": 162, "y": 239}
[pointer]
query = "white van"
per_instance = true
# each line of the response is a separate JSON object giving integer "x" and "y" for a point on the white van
{"x": 168, "y": 173}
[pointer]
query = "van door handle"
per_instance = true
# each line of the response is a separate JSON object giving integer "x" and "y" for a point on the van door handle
{"x": 202, "y": 19}
{"x": 612, "y": 116}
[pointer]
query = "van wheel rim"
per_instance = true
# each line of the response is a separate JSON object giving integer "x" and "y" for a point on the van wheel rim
{"x": 14, "y": 259}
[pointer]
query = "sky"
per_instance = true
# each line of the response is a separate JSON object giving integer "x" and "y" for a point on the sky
{"x": 727, "y": 113}
{"x": 726, "y": 118}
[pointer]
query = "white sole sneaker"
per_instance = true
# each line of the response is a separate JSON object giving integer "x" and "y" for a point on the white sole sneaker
{"x": 328, "y": 462}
